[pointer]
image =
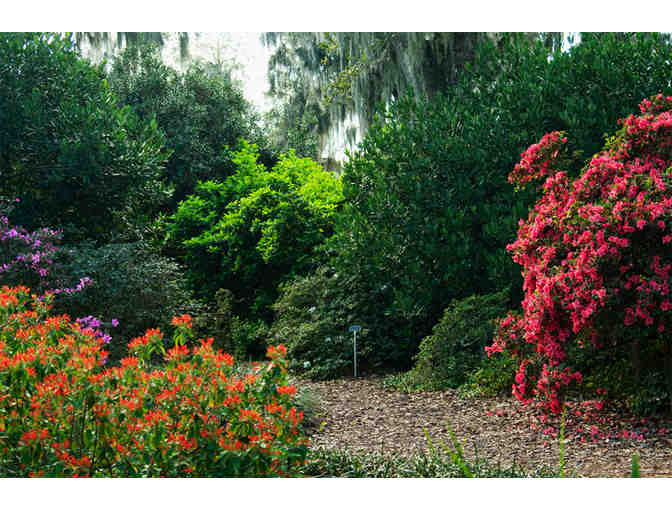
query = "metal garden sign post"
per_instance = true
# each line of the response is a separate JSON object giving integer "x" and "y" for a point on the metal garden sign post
{"x": 354, "y": 330}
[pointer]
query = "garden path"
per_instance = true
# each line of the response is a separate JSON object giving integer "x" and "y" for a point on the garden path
{"x": 360, "y": 414}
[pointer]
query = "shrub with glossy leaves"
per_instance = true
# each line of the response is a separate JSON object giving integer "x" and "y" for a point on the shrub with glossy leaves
{"x": 75, "y": 157}
{"x": 596, "y": 259}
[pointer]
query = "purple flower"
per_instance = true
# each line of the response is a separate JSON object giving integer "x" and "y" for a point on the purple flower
{"x": 115, "y": 323}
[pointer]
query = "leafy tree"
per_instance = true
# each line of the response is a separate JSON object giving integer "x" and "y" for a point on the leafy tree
{"x": 256, "y": 228}
{"x": 72, "y": 155}
{"x": 202, "y": 113}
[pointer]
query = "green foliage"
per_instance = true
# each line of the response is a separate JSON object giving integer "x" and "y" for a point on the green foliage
{"x": 317, "y": 343}
{"x": 313, "y": 314}
{"x": 494, "y": 377}
{"x": 456, "y": 346}
{"x": 248, "y": 338}
{"x": 202, "y": 113}
{"x": 255, "y": 229}
{"x": 310, "y": 404}
{"x": 342, "y": 463}
{"x": 419, "y": 225}
{"x": 456, "y": 452}
{"x": 130, "y": 283}
{"x": 74, "y": 157}
{"x": 312, "y": 317}
{"x": 645, "y": 393}
{"x": 634, "y": 471}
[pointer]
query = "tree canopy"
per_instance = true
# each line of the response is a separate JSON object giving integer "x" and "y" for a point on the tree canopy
{"x": 73, "y": 156}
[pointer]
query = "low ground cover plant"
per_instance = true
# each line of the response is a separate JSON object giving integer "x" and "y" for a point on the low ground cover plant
{"x": 63, "y": 412}
{"x": 335, "y": 462}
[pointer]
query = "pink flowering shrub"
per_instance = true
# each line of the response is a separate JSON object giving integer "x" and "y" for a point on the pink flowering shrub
{"x": 596, "y": 257}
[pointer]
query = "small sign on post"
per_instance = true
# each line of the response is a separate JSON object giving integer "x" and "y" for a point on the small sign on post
{"x": 354, "y": 330}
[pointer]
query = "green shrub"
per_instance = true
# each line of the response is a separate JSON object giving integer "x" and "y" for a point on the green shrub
{"x": 313, "y": 315}
{"x": 248, "y": 338}
{"x": 255, "y": 229}
{"x": 243, "y": 338}
{"x": 129, "y": 283}
{"x": 316, "y": 342}
{"x": 75, "y": 157}
{"x": 456, "y": 346}
{"x": 493, "y": 377}
{"x": 201, "y": 111}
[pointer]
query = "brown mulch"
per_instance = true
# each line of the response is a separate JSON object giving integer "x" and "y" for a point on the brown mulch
{"x": 360, "y": 414}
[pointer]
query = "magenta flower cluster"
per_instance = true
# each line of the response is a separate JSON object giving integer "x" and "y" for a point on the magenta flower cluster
{"x": 595, "y": 253}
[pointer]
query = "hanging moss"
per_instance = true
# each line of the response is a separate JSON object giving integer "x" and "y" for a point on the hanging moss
{"x": 342, "y": 77}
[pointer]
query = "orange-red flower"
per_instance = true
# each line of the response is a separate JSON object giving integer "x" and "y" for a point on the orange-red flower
{"x": 176, "y": 353}
{"x": 287, "y": 390}
{"x": 137, "y": 412}
{"x": 182, "y": 320}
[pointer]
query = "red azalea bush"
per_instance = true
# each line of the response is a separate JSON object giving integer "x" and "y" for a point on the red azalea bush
{"x": 62, "y": 413}
{"x": 596, "y": 254}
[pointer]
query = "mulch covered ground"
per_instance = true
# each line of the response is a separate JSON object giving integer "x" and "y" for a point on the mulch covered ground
{"x": 359, "y": 414}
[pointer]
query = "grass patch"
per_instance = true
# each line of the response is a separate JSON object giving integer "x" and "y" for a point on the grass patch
{"x": 342, "y": 463}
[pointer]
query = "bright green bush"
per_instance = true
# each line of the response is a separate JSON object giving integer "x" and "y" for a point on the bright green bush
{"x": 457, "y": 344}
{"x": 255, "y": 229}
